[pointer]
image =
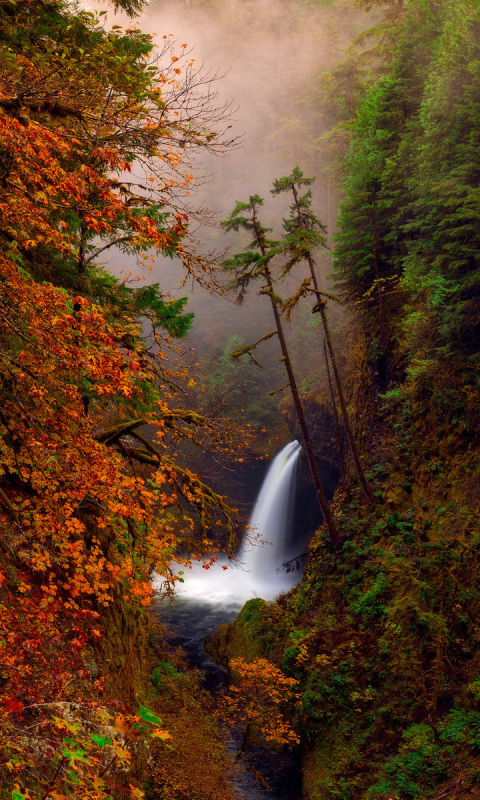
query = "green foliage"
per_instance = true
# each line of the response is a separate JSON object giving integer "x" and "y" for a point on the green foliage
{"x": 241, "y": 388}
{"x": 462, "y": 727}
{"x": 146, "y": 302}
{"x": 168, "y": 314}
{"x": 417, "y": 767}
{"x": 132, "y": 7}
{"x": 250, "y": 615}
{"x": 148, "y": 716}
{"x": 407, "y": 246}
{"x": 163, "y": 670}
{"x": 101, "y": 741}
{"x": 442, "y": 263}
{"x": 371, "y": 604}
{"x": 251, "y": 263}
{"x": 303, "y": 230}
{"x": 301, "y": 213}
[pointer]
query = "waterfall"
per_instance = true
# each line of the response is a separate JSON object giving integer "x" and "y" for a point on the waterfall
{"x": 264, "y": 545}
{"x": 256, "y": 571}
{"x": 214, "y": 597}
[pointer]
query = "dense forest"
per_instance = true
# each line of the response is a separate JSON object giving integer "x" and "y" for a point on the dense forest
{"x": 162, "y": 331}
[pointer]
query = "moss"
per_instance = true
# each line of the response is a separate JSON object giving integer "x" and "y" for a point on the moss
{"x": 139, "y": 666}
{"x": 121, "y": 651}
{"x": 384, "y": 635}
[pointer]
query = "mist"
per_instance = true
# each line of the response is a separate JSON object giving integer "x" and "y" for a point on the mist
{"x": 268, "y": 58}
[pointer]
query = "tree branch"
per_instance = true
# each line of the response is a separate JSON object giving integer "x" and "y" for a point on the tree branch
{"x": 110, "y": 435}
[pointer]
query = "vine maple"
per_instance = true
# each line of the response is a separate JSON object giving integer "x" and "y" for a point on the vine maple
{"x": 259, "y": 698}
{"x": 95, "y": 134}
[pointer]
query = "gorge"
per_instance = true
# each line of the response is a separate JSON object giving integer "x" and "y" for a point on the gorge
{"x": 146, "y": 330}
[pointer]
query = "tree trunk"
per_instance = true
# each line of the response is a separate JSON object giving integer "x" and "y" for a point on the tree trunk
{"x": 351, "y": 441}
{"x": 343, "y": 406}
{"x": 341, "y": 458}
{"x": 82, "y": 258}
{"x": 322, "y": 500}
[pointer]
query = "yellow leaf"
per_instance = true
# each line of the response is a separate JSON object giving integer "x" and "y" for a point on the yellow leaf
{"x": 98, "y": 783}
{"x": 124, "y": 755}
{"x": 156, "y": 734}
{"x": 120, "y": 724}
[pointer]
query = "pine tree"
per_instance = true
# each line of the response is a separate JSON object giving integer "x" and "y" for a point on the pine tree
{"x": 408, "y": 243}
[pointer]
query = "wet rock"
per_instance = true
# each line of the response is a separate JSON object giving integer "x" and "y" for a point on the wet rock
{"x": 218, "y": 644}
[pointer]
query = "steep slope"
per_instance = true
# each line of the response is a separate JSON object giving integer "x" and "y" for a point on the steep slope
{"x": 383, "y": 634}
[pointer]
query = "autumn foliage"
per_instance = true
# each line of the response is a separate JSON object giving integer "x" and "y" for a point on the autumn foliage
{"x": 259, "y": 699}
{"x": 95, "y": 135}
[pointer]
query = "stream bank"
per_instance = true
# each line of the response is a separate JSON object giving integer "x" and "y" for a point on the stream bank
{"x": 383, "y": 635}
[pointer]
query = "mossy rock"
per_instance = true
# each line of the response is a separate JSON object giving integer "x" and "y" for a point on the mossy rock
{"x": 238, "y": 639}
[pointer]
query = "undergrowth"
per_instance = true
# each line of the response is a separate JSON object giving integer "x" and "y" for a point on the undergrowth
{"x": 384, "y": 635}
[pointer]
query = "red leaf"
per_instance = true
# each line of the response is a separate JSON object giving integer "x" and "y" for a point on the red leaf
{"x": 12, "y": 705}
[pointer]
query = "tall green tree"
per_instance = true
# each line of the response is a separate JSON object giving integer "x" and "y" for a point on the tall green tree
{"x": 408, "y": 242}
{"x": 255, "y": 264}
{"x": 304, "y": 232}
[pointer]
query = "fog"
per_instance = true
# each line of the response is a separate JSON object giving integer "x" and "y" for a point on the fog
{"x": 269, "y": 57}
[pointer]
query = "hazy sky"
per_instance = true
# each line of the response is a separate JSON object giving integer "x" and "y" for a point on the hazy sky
{"x": 268, "y": 55}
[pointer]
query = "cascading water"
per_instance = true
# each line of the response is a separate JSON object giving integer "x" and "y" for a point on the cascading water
{"x": 264, "y": 545}
{"x": 257, "y": 568}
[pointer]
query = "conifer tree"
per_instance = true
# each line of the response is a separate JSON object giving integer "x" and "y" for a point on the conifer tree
{"x": 408, "y": 241}
{"x": 304, "y": 231}
{"x": 338, "y": 434}
{"x": 254, "y": 263}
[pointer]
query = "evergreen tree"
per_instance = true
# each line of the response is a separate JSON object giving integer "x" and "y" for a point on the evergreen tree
{"x": 372, "y": 241}
{"x": 255, "y": 263}
{"x": 304, "y": 232}
{"x": 408, "y": 242}
{"x": 442, "y": 265}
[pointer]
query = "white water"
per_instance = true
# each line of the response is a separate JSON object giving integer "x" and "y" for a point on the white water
{"x": 257, "y": 568}
{"x": 271, "y": 518}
